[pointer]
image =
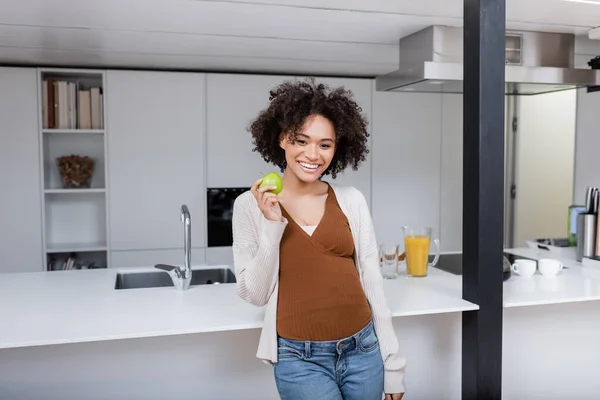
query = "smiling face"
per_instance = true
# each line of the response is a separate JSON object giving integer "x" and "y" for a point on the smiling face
{"x": 312, "y": 151}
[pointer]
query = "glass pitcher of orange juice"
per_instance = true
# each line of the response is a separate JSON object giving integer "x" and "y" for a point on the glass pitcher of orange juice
{"x": 416, "y": 248}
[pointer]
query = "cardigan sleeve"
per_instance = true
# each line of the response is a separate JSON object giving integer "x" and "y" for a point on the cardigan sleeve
{"x": 394, "y": 363}
{"x": 255, "y": 252}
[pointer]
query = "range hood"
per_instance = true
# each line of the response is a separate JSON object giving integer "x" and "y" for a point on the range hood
{"x": 536, "y": 62}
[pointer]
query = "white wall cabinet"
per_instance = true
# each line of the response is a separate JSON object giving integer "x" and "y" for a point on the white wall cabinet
{"x": 232, "y": 102}
{"x": 170, "y": 135}
{"x": 406, "y": 163}
{"x": 21, "y": 248}
{"x": 451, "y": 173}
{"x": 417, "y": 166}
{"x": 363, "y": 95}
{"x": 156, "y": 159}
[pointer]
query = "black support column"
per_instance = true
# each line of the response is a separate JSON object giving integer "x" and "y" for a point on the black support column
{"x": 483, "y": 197}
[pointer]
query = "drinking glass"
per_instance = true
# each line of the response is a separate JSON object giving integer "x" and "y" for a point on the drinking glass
{"x": 417, "y": 241}
{"x": 388, "y": 259}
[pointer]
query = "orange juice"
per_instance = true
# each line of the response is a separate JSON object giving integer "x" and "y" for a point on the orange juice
{"x": 417, "y": 255}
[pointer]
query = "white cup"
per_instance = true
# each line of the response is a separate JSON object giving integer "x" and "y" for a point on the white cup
{"x": 549, "y": 267}
{"x": 525, "y": 268}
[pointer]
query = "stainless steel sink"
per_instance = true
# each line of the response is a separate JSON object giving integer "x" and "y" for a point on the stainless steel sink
{"x": 139, "y": 280}
{"x": 451, "y": 262}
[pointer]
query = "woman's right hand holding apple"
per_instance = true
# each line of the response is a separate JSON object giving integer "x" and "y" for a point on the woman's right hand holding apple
{"x": 267, "y": 202}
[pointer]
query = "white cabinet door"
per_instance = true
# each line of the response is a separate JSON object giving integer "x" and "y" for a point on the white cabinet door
{"x": 20, "y": 202}
{"x": 155, "y": 158}
{"x": 406, "y": 163}
{"x": 232, "y": 102}
{"x": 452, "y": 173}
{"x": 362, "y": 90}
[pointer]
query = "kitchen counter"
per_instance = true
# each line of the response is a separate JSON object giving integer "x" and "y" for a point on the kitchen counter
{"x": 59, "y": 321}
{"x": 550, "y": 332}
{"x": 575, "y": 283}
{"x": 59, "y": 307}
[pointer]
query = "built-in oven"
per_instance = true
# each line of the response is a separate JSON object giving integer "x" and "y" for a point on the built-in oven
{"x": 219, "y": 202}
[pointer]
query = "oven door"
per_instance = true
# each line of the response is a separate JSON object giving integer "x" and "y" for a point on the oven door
{"x": 219, "y": 210}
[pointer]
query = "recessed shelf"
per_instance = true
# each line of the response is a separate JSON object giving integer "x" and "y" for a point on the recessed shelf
{"x": 76, "y": 260}
{"x": 74, "y": 218}
{"x": 58, "y": 145}
{"x": 72, "y": 131}
{"x": 74, "y": 191}
{"x": 75, "y": 247}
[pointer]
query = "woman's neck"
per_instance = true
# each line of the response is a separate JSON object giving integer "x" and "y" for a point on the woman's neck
{"x": 296, "y": 187}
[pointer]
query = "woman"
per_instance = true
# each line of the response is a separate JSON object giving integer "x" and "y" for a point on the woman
{"x": 309, "y": 253}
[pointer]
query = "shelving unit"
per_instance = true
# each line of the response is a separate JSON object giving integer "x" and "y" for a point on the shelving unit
{"x": 75, "y": 207}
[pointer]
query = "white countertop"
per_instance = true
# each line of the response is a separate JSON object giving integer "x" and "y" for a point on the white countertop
{"x": 576, "y": 283}
{"x": 45, "y": 308}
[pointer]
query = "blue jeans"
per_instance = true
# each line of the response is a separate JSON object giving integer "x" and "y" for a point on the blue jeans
{"x": 346, "y": 369}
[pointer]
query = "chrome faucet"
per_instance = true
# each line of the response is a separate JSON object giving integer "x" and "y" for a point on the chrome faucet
{"x": 182, "y": 277}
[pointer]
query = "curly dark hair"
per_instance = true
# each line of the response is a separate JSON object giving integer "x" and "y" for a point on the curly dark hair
{"x": 291, "y": 103}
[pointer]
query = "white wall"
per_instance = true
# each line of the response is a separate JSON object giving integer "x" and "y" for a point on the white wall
{"x": 544, "y": 165}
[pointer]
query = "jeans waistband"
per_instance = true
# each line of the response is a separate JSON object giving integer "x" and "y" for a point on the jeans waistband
{"x": 331, "y": 346}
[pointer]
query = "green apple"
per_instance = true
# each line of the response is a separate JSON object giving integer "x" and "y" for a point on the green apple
{"x": 272, "y": 179}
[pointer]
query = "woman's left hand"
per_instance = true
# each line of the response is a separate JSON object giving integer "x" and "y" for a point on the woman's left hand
{"x": 396, "y": 396}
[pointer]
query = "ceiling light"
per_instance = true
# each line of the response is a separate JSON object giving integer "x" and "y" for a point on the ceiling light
{"x": 597, "y": 2}
{"x": 594, "y": 34}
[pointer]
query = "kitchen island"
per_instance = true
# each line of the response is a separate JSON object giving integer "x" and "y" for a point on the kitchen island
{"x": 72, "y": 335}
{"x": 551, "y": 332}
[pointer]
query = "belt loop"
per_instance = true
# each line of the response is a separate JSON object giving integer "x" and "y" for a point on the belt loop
{"x": 307, "y": 349}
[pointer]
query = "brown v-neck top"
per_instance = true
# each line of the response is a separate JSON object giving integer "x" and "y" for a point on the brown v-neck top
{"x": 320, "y": 294}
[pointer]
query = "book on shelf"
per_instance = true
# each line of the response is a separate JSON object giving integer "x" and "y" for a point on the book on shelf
{"x": 71, "y": 105}
{"x": 70, "y": 263}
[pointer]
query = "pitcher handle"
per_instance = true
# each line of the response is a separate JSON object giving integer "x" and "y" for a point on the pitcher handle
{"x": 437, "y": 253}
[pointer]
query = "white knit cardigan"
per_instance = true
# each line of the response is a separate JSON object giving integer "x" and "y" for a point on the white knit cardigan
{"x": 256, "y": 260}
